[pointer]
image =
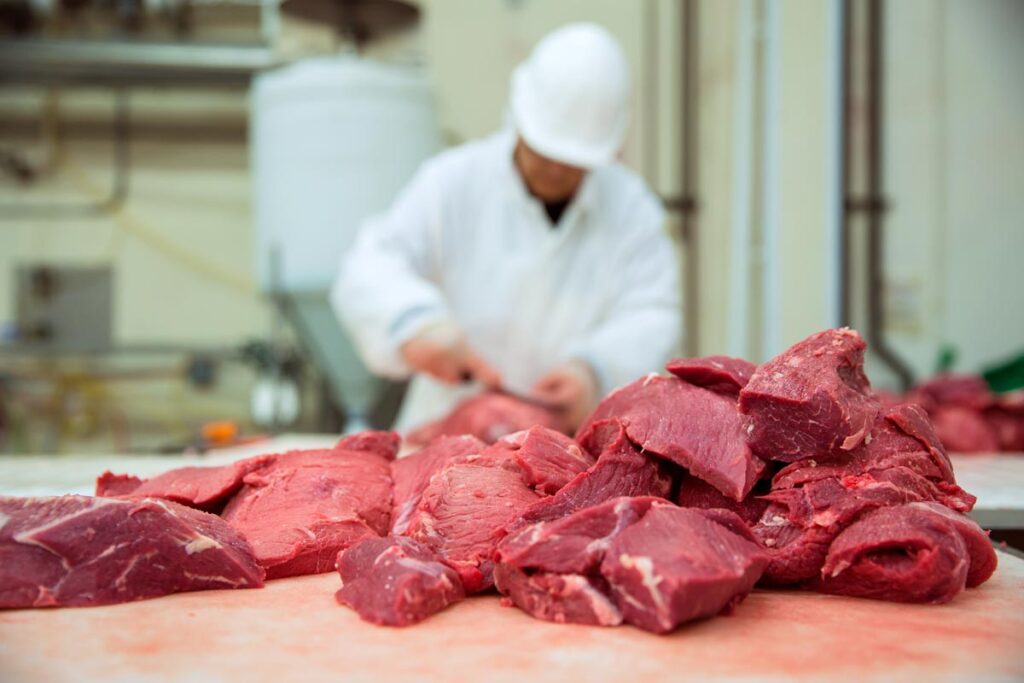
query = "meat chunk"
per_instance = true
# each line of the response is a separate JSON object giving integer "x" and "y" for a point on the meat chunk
{"x": 695, "y": 493}
{"x": 693, "y": 427}
{"x": 676, "y": 565}
{"x": 81, "y": 551}
{"x": 395, "y": 581}
{"x": 904, "y": 553}
{"x": 300, "y": 509}
{"x": 461, "y": 516}
{"x": 110, "y": 485}
{"x": 548, "y": 459}
{"x": 575, "y": 544}
{"x": 979, "y": 547}
{"x": 810, "y": 400}
{"x": 204, "y": 488}
{"x": 620, "y": 470}
{"x": 964, "y": 430}
{"x": 902, "y": 438}
{"x": 488, "y": 416}
{"x": 412, "y": 474}
{"x": 384, "y": 444}
{"x": 721, "y": 374}
{"x": 642, "y": 560}
{"x": 561, "y": 598}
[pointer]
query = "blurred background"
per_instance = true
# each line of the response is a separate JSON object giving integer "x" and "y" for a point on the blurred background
{"x": 179, "y": 178}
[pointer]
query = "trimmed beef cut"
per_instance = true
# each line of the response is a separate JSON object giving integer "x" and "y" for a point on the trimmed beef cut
{"x": 979, "y": 547}
{"x": 642, "y": 560}
{"x": 384, "y": 444}
{"x": 620, "y": 470}
{"x": 968, "y": 391}
{"x": 721, "y": 374}
{"x": 204, "y": 488}
{"x": 547, "y": 459}
{"x": 412, "y": 473}
{"x": 964, "y": 430}
{"x": 301, "y": 508}
{"x": 81, "y": 551}
{"x": 678, "y": 564}
{"x": 395, "y": 581}
{"x": 694, "y": 493}
{"x": 561, "y": 598}
{"x": 811, "y": 400}
{"x": 110, "y": 485}
{"x": 693, "y": 427}
{"x": 575, "y": 544}
{"x": 905, "y": 553}
{"x": 1006, "y": 418}
{"x": 461, "y": 516}
{"x": 488, "y": 416}
{"x": 801, "y": 523}
{"x": 902, "y": 438}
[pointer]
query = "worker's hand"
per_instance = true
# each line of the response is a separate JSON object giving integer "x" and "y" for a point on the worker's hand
{"x": 441, "y": 351}
{"x": 573, "y": 387}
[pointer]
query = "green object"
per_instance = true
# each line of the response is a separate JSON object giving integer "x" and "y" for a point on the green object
{"x": 947, "y": 359}
{"x": 1006, "y": 376}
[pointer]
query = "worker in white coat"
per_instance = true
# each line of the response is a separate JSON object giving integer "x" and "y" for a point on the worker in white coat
{"x": 529, "y": 260}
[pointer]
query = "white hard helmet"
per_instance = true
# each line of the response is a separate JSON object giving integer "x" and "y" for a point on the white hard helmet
{"x": 570, "y": 98}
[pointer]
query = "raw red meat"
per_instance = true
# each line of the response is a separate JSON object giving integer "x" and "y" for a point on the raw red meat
{"x": 964, "y": 430}
{"x": 575, "y": 544}
{"x": 1006, "y": 418}
{"x": 80, "y": 551}
{"x": 461, "y": 516}
{"x": 547, "y": 459}
{"x": 969, "y": 391}
{"x": 384, "y": 444}
{"x": 109, "y": 485}
{"x": 693, "y": 427}
{"x": 811, "y": 399}
{"x": 204, "y": 488}
{"x": 678, "y": 564}
{"x": 722, "y": 374}
{"x": 903, "y": 437}
{"x": 620, "y": 470}
{"x": 906, "y": 553}
{"x": 561, "y": 598}
{"x": 412, "y": 473}
{"x": 979, "y": 547}
{"x": 487, "y": 416}
{"x": 301, "y": 508}
{"x": 395, "y": 581}
{"x": 801, "y": 523}
{"x": 642, "y": 560}
{"x": 694, "y": 493}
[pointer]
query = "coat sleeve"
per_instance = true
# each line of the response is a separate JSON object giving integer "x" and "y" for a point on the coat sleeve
{"x": 643, "y": 326}
{"x": 386, "y": 290}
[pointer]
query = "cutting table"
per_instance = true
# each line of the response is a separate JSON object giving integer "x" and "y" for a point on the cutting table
{"x": 294, "y": 630}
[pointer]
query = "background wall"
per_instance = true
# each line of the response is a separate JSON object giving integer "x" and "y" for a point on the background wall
{"x": 182, "y": 246}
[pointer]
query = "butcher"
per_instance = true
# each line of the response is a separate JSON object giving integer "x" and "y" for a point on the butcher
{"x": 529, "y": 260}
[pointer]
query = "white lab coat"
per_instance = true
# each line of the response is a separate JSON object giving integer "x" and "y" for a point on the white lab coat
{"x": 466, "y": 242}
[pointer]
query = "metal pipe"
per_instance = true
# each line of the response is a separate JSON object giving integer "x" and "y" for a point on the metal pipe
{"x": 845, "y": 165}
{"x": 688, "y": 182}
{"x": 124, "y": 63}
{"x": 121, "y": 133}
{"x": 877, "y": 208}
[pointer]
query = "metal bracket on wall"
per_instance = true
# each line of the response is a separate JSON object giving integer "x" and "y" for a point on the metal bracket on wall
{"x": 120, "y": 128}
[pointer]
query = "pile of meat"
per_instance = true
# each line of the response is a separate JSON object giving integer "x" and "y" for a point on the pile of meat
{"x": 968, "y": 416}
{"x": 676, "y": 497}
{"x": 487, "y": 416}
